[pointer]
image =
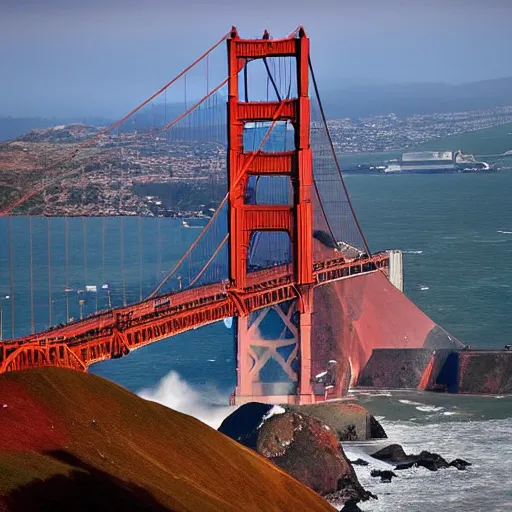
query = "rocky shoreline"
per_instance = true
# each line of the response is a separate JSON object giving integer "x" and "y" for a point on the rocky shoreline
{"x": 307, "y": 443}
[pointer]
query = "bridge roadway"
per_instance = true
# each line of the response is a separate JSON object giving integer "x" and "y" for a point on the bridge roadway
{"x": 113, "y": 333}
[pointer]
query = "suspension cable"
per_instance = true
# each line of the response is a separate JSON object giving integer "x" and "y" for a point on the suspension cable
{"x": 338, "y": 168}
{"x": 66, "y": 255}
{"x": 276, "y": 90}
{"x": 11, "y": 277}
{"x": 32, "y": 325}
{"x": 140, "y": 255}
{"x": 195, "y": 105}
{"x": 49, "y": 247}
{"x": 205, "y": 267}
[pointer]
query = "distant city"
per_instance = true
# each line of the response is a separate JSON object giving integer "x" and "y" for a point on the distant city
{"x": 145, "y": 173}
{"x": 375, "y": 134}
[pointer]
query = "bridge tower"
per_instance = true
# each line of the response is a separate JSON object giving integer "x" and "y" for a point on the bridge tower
{"x": 275, "y": 366}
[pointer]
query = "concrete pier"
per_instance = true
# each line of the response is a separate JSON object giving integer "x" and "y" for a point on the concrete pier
{"x": 441, "y": 370}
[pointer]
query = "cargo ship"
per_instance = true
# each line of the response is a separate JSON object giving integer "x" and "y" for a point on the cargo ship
{"x": 434, "y": 162}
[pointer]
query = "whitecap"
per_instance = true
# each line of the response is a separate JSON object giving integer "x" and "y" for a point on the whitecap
{"x": 429, "y": 408}
{"x": 504, "y": 232}
{"x": 412, "y": 252}
{"x": 424, "y": 288}
{"x": 410, "y": 402}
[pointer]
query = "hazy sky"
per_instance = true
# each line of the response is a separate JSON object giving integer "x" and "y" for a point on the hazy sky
{"x": 63, "y": 57}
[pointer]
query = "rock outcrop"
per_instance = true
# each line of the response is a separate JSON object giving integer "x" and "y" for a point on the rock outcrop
{"x": 301, "y": 445}
{"x": 350, "y": 422}
{"x": 359, "y": 462}
{"x": 394, "y": 453}
{"x": 384, "y": 475}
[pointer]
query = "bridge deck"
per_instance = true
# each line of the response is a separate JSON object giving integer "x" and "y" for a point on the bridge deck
{"x": 114, "y": 333}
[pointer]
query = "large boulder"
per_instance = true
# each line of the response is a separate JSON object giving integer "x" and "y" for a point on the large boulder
{"x": 391, "y": 453}
{"x": 242, "y": 424}
{"x": 350, "y": 422}
{"x": 301, "y": 445}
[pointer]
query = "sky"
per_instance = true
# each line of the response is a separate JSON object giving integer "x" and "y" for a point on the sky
{"x": 100, "y": 57}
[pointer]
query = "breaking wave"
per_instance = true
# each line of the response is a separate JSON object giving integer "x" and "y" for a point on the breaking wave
{"x": 174, "y": 392}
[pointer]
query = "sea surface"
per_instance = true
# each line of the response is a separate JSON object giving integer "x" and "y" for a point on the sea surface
{"x": 456, "y": 234}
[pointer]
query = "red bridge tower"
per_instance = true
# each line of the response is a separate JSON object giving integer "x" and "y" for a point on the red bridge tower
{"x": 287, "y": 357}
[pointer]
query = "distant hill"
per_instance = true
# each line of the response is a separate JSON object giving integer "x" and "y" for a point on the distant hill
{"x": 416, "y": 98}
{"x": 11, "y": 127}
{"x": 75, "y": 441}
{"x": 353, "y": 101}
{"x": 490, "y": 141}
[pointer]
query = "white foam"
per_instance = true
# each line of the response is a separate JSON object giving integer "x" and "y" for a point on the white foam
{"x": 412, "y": 252}
{"x": 504, "y": 232}
{"x": 173, "y": 392}
{"x": 483, "y": 486}
{"x": 429, "y": 408}
{"x": 410, "y": 402}
{"x": 424, "y": 288}
{"x": 276, "y": 409}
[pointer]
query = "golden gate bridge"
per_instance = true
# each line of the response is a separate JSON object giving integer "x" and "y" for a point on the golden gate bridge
{"x": 285, "y": 229}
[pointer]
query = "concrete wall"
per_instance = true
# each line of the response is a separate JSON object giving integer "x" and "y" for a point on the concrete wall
{"x": 396, "y": 269}
{"x": 395, "y": 368}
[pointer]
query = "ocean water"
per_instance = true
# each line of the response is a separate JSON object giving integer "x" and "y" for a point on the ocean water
{"x": 477, "y": 429}
{"x": 456, "y": 234}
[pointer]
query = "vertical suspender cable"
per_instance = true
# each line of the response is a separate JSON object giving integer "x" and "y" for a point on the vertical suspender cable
{"x": 165, "y": 111}
{"x": 158, "y": 250}
{"x": 49, "y": 246}
{"x": 84, "y": 231}
{"x": 272, "y": 81}
{"x": 140, "y": 257}
{"x": 207, "y": 74}
{"x": 122, "y": 261}
{"x": 246, "y": 82}
{"x": 11, "y": 277}
{"x": 102, "y": 250}
{"x": 187, "y": 118}
{"x": 32, "y": 325}
{"x": 66, "y": 252}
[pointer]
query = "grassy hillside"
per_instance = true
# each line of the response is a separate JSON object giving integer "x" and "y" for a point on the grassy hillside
{"x": 75, "y": 441}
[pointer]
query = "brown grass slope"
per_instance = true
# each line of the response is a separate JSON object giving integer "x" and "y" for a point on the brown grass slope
{"x": 75, "y": 441}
